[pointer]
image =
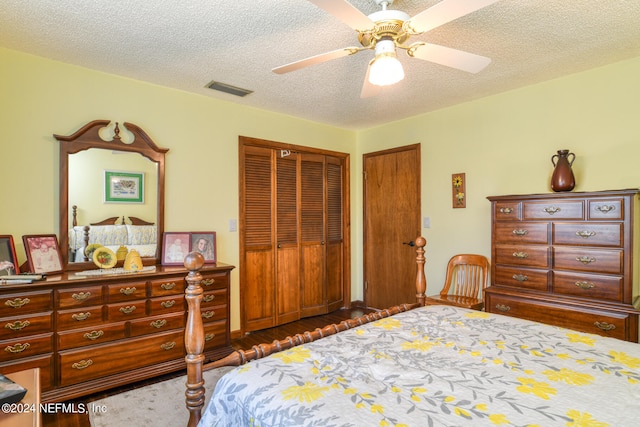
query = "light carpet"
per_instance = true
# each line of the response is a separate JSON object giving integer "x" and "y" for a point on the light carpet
{"x": 156, "y": 405}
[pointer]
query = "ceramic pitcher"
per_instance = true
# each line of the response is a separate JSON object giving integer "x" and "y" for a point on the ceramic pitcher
{"x": 562, "y": 178}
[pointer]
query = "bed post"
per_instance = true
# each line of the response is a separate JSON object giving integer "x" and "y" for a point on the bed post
{"x": 421, "y": 279}
{"x": 194, "y": 338}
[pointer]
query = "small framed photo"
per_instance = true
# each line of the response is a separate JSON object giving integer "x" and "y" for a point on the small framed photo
{"x": 8, "y": 260}
{"x": 175, "y": 246}
{"x": 43, "y": 253}
{"x": 205, "y": 243}
{"x": 123, "y": 187}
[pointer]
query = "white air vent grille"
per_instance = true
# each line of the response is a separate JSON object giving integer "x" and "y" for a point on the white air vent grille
{"x": 233, "y": 90}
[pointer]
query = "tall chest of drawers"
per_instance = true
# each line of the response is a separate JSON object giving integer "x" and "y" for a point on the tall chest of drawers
{"x": 90, "y": 333}
{"x": 567, "y": 259}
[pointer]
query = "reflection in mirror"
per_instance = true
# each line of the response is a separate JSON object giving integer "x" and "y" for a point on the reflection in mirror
{"x": 130, "y": 212}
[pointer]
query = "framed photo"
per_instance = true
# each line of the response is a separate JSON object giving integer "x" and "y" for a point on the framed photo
{"x": 8, "y": 260}
{"x": 123, "y": 187}
{"x": 205, "y": 243}
{"x": 175, "y": 246}
{"x": 43, "y": 253}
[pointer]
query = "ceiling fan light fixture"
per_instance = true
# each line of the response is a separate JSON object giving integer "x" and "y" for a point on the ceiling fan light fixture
{"x": 385, "y": 69}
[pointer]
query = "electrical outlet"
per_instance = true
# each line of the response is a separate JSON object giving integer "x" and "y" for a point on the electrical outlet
{"x": 426, "y": 222}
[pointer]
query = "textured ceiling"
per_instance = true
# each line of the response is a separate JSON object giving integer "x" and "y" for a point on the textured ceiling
{"x": 185, "y": 44}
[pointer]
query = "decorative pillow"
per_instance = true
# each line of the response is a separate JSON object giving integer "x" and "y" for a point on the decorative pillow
{"x": 108, "y": 234}
{"x": 142, "y": 234}
{"x": 10, "y": 392}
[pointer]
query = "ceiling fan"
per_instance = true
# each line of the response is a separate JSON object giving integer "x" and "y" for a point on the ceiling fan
{"x": 387, "y": 30}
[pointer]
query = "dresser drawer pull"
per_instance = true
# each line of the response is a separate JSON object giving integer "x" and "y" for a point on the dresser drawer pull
{"x": 17, "y": 325}
{"x": 168, "y": 345}
{"x": 158, "y": 323}
{"x": 520, "y": 232}
{"x": 520, "y": 277}
{"x": 93, "y": 335}
{"x": 585, "y": 285}
{"x": 208, "y": 314}
{"x": 208, "y": 282}
{"x": 81, "y": 296}
{"x": 127, "y": 291}
{"x": 128, "y": 309}
{"x": 521, "y": 255}
{"x": 506, "y": 211}
{"x": 168, "y": 304}
{"x": 83, "y": 364}
{"x": 586, "y": 259}
{"x": 18, "y": 302}
{"x": 81, "y": 316}
{"x": 605, "y": 326}
{"x": 208, "y": 298}
{"x": 552, "y": 210}
{"x": 503, "y": 307}
{"x": 17, "y": 348}
{"x": 606, "y": 208}
{"x": 585, "y": 234}
{"x": 168, "y": 286}
{"x": 209, "y": 337}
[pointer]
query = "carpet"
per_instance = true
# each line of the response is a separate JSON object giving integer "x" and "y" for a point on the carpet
{"x": 157, "y": 405}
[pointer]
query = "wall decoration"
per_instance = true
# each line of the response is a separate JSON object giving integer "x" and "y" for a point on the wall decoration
{"x": 123, "y": 187}
{"x": 43, "y": 253}
{"x": 458, "y": 190}
{"x": 205, "y": 243}
{"x": 8, "y": 260}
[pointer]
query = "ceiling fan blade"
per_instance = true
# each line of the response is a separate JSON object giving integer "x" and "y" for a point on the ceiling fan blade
{"x": 317, "y": 59}
{"x": 346, "y": 12}
{"x": 453, "y": 58}
{"x": 443, "y": 12}
{"x": 368, "y": 89}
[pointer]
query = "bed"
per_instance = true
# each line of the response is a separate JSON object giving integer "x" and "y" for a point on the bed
{"x": 418, "y": 365}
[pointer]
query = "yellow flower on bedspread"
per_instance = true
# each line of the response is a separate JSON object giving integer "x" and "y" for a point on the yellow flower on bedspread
{"x": 387, "y": 323}
{"x": 498, "y": 419}
{"x": 625, "y": 359}
{"x": 420, "y": 345}
{"x": 583, "y": 419}
{"x": 568, "y": 376}
{"x": 477, "y": 315}
{"x": 531, "y": 386}
{"x": 304, "y": 393}
{"x": 294, "y": 355}
{"x": 585, "y": 339}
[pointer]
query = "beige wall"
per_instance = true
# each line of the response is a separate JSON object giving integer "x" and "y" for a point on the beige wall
{"x": 503, "y": 143}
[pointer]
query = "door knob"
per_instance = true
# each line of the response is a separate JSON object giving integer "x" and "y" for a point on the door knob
{"x": 410, "y": 243}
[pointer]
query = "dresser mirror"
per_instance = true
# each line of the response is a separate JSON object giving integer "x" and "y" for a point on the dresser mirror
{"x": 111, "y": 192}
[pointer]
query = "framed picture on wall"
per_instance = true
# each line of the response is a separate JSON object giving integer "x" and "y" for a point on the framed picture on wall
{"x": 205, "y": 243}
{"x": 123, "y": 187}
{"x": 175, "y": 246}
{"x": 8, "y": 261}
{"x": 43, "y": 253}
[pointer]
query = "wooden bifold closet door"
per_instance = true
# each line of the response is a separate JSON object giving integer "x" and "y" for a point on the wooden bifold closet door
{"x": 293, "y": 216}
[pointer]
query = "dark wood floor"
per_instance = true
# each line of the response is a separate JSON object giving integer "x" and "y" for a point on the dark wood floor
{"x": 246, "y": 342}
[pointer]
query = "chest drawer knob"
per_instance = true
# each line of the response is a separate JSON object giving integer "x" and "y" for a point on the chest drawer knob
{"x": 17, "y": 348}
{"x": 18, "y": 302}
{"x": 520, "y": 277}
{"x": 585, "y": 234}
{"x": 168, "y": 304}
{"x": 128, "y": 309}
{"x": 209, "y": 337}
{"x": 81, "y": 296}
{"x": 93, "y": 335}
{"x": 552, "y": 210}
{"x": 208, "y": 298}
{"x": 208, "y": 314}
{"x": 506, "y": 211}
{"x": 208, "y": 282}
{"x": 605, "y": 208}
{"x": 80, "y": 316}
{"x": 83, "y": 364}
{"x": 127, "y": 291}
{"x": 503, "y": 307}
{"x": 605, "y": 326}
{"x": 586, "y": 259}
{"x": 17, "y": 325}
{"x": 520, "y": 232}
{"x": 168, "y": 286}
{"x": 520, "y": 255}
{"x": 168, "y": 345}
{"x": 158, "y": 323}
{"x": 585, "y": 285}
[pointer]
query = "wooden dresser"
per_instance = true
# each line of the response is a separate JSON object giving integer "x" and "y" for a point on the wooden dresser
{"x": 92, "y": 333}
{"x": 567, "y": 259}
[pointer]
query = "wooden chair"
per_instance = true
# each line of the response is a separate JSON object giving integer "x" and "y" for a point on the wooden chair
{"x": 467, "y": 277}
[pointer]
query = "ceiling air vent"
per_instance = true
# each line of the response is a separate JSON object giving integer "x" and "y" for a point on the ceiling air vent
{"x": 233, "y": 90}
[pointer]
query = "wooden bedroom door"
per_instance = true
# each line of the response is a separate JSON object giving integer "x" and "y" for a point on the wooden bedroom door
{"x": 391, "y": 224}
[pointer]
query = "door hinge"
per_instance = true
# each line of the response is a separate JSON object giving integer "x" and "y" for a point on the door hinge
{"x": 366, "y": 285}
{"x": 365, "y": 174}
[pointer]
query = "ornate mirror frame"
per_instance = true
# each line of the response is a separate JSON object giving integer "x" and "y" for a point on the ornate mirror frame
{"x": 89, "y": 137}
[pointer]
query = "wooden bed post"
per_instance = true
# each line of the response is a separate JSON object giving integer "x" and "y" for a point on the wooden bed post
{"x": 194, "y": 338}
{"x": 421, "y": 279}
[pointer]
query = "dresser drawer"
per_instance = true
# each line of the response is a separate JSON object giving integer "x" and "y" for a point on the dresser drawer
{"x": 606, "y": 209}
{"x": 26, "y": 325}
{"x": 554, "y": 209}
{"x": 214, "y": 281}
{"x": 216, "y": 297}
{"x": 25, "y": 302}
{"x": 168, "y": 304}
{"x": 595, "y": 321}
{"x": 152, "y": 325}
{"x": 508, "y": 211}
{"x": 589, "y": 285}
{"x": 215, "y": 334}
{"x": 521, "y": 232}
{"x": 126, "y": 311}
{"x": 590, "y": 260}
{"x": 80, "y": 317}
{"x": 93, "y": 362}
{"x": 25, "y": 347}
{"x": 91, "y": 336}
{"x": 44, "y": 362}
{"x": 522, "y": 255}
{"x": 79, "y": 297}
{"x": 163, "y": 287}
{"x": 127, "y": 291}
{"x": 588, "y": 234}
{"x": 522, "y": 278}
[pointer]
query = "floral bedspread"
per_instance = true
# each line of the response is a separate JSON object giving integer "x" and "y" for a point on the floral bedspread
{"x": 438, "y": 366}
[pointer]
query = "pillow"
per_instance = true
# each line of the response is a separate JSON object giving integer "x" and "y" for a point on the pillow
{"x": 142, "y": 234}
{"x": 108, "y": 235}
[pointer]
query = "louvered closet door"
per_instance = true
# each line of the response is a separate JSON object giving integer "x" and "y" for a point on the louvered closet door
{"x": 335, "y": 242}
{"x": 258, "y": 293}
